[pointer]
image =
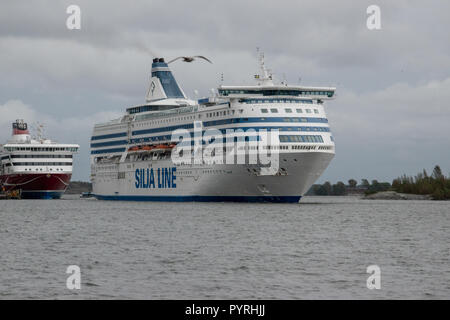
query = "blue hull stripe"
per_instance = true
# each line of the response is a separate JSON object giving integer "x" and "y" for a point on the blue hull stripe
{"x": 285, "y": 129}
{"x": 231, "y": 121}
{"x": 168, "y": 137}
{"x": 109, "y": 136}
{"x": 108, "y": 150}
{"x": 41, "y": 194}
{"x": 280, "y": 128}
{"x": 281, "y": 199}
{"x": 109, "y": 143}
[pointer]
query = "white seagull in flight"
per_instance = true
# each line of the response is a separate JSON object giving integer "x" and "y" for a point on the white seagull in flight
{"x": 189, "y": 59}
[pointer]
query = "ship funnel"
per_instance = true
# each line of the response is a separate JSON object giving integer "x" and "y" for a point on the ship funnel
{"x": 20, "y": 133}
{"x": 163, "y": 84}
{"x": 19, "y": 127}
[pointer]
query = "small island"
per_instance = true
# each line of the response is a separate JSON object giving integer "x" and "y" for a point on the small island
{"x": 420, "y": 187}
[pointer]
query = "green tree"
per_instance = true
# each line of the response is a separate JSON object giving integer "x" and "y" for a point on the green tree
{"x": 365, "y": 183}
{"x": 437, "y": 185}
{"x": 437, "y": 173}
{"x": 328, "y": 188}
{"x": 352, "y": 183}
{"x": 339, "y": 189}
{"x": 375, "y": 185}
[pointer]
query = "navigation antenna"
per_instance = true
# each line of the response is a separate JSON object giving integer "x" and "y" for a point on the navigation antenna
{"x": 265, "y": 76}
{"x": 39, "y": 130}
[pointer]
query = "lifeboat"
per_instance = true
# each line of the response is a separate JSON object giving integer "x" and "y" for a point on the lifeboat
{"x": 135, "y": 148}
{"x": 147, "y": 148}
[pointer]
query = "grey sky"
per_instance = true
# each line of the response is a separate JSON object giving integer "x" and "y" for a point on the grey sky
{"x": 391, "y": 115}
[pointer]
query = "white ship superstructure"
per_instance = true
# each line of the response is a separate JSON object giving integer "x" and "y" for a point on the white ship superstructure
{"x": 131, "y": 157}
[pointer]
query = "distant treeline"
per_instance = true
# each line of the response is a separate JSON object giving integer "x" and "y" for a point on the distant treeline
{"x": 341, "y": 189}
{"x": 437, "y": 185}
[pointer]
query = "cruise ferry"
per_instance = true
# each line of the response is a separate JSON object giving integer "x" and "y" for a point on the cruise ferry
{"x": 132, "y": 157}
{"x": 34, "y": 168}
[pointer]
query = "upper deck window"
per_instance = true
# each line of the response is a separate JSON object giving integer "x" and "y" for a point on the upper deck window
{"x": 274, "y": 110}
{"x": 264, "y": 110}
{"x": 288, "y": 110}
{"x": 277, "y": 92}
{"x": 286, "y": 100}
{"x": 299, "y": 110}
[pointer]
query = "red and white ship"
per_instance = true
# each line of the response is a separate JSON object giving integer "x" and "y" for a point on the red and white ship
{"x": 35, "y": 168}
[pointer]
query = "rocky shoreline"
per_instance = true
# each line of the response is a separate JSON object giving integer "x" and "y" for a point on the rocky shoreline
{"x": 392, "y": 195}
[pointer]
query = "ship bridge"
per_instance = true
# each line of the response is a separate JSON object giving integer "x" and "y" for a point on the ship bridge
{"x": 320, "y": 93}
{"x": 266, "y": 88}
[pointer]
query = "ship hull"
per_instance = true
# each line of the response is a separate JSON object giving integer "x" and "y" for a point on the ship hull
{"x": 36, "y": 186}
{"x": 273, "y": 199}
{"x": 215, "y": 183}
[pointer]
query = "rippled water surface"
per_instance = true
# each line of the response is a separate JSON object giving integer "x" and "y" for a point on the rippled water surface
{"x": 319, "y": 248}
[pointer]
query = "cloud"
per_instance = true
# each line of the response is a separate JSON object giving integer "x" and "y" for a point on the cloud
{"x": 12, "y": 110}
{"x": 393, "y": 84}
{"x": 396, "y": 130}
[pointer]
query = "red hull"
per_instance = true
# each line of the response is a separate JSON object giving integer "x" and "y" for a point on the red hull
{"x": 39, "y": 185}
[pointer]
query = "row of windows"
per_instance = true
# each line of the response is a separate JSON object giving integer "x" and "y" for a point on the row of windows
{"x": 165, "y": 113}
{"x": 113, "y": 150}
{"x": 178, "y": 119}
{"x": 221, "y": 113}
{"x": 230, "y": 121}
{"x": 219, "y": 122}
{"x": 214, "y": 114}
{"x": 211, "y": 115}
{"x": 51, "y": 149}
{"x": 40, "y": 169}
{"x": 296, "y": 138}
{"x": 41, "y": 156}
{"x": 253, "y": 101}
{"x": 289, "y": 110}
{"x": 109, "y": 143}
{"x": 283, "y": 138}
{"x": 226, "y": 92}
{"x": 281, "y": 147}
{"x": 148, "y": 108}
{"x": 253, "y": 120}
{"x": 108, "y": 136}
{"x": 42, "y": 164}
{"x": 304, "y": 147}
{"x": 223, "y": 131}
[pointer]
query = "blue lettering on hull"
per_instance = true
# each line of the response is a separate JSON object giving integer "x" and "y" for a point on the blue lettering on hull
{"x": 145, "y": 178}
